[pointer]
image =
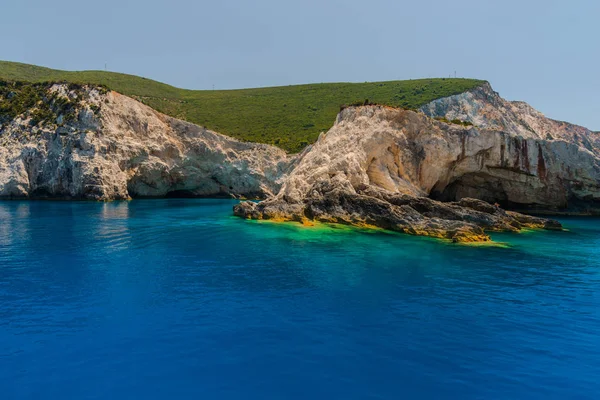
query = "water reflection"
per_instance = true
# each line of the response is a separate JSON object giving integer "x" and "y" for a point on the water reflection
{"x": 115, "y": 210}
{"x": 14, "y": 225}
{"x": 112, "y": 228}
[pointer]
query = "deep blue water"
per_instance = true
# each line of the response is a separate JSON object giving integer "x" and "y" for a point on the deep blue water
{"x": 176, "y": 299}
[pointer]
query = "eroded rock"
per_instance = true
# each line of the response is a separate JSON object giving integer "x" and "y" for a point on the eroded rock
{"x": 334, "y": 201}
{"x": 126, "y": 149}
{"x": 379, "y": 166}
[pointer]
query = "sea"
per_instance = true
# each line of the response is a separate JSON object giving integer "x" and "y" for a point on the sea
{"x": 179, "y": 299}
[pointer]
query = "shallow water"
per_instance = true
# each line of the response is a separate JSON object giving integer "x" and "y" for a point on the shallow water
{"x": 177, "y": 299}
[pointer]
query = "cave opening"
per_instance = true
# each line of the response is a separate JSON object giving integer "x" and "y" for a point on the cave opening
{"x": 478, "y": 186}
{"x": 42, "y": 192}
{"x": 492, "y": 190}
{"x": 181, "y": 194}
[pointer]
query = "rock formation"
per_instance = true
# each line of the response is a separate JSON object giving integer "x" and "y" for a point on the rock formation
{"x": 378, "y": 165}
{"x": 114, "y": 147}
{"x": 336, "y": 201}
{"x": 415, "y": 172}
{"x": 529, "y": 161}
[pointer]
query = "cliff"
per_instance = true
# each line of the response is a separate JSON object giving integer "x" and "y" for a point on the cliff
{"x": 378, "y": 165}
{"x": 100, "y": 145}
{"x": 409, "y": 171}
{"x": 387, "y": 167}
{"x": 289, "y": 116}
{"x": 529, "y": 161}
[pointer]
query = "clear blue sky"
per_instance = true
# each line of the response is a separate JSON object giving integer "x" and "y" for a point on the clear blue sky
{"x": 544, "y": 52}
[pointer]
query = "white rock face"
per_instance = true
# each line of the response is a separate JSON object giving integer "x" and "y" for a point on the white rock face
{"x": 127, "y": 149}
{"x": 486, "y": 109}
{"x": 406, "y": 152}
{"x": 378, "y": 165}
{"x": 558, "y": 159}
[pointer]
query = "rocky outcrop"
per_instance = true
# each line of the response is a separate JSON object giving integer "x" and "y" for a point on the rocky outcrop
{"x": 406, "y": 152}
{"x": 484, "y": 108}
{"x": 114, "y": 147}
{"x": 336, "y": 201}
{"x": 378, "y": 165}
{"x": 534, "y": 162}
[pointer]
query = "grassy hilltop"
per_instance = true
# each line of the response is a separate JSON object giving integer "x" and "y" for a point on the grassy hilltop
{"x": 287, "y": 116}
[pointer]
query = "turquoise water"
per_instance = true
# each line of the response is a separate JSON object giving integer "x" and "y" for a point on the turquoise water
{"x": 174, "y": 299}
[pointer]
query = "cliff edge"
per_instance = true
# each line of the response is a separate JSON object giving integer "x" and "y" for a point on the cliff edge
{"x": 531, "y": 162}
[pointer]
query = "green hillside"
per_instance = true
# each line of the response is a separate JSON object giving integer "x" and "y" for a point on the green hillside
{"x": 287, "y": 116}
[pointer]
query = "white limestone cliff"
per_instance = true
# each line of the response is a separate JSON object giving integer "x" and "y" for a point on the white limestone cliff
{"x": 126, "y": 149}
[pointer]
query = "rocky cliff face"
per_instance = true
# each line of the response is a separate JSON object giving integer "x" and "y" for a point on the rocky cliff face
{"x": 409, "y": 153}
{"x": 377, "y": 166}
{"x": 385, "y": 167}
{"x": 484, "y": 108}
{"x": 533, "y": 161}
{"x": 114, "y": 147}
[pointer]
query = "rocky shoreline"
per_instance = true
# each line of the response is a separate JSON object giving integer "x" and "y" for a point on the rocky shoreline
{"x": 404, "y": 171}
{"x": 446, "y": 170}
{"x": 468, "y": 220}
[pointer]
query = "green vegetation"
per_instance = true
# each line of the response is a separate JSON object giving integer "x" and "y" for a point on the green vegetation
{"x": 35, "y": 101}
{"x": 454, "y": 121}
{"x": 287, "y": 116}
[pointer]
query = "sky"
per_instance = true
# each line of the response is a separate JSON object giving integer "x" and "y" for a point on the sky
{"x": 546, "y": 53}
